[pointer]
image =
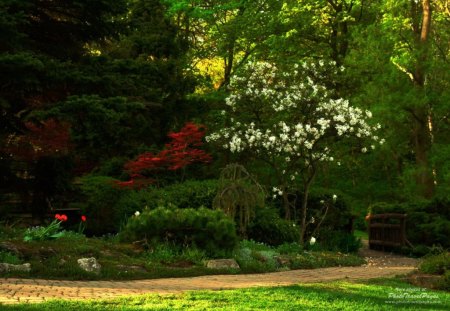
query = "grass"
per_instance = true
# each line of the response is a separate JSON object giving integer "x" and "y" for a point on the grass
{"x": 361, "y": 234}
{"x": 373, "y": 295}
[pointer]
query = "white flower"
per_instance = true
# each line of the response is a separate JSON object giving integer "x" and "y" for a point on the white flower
{"x": 137, "y": 213}
{"x": 312, "y": 241}
{"x": 334, "y": 198}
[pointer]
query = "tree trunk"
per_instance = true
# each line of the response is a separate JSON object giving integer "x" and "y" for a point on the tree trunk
{"x": 286, "y": 205}
{"x": 306, "y": 188}
{"x": 421, "y": 134}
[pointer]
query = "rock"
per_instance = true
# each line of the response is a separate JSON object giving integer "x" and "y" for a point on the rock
{"x": 222, "y": 264}
{"x": 89, "y": 265}
{"x": 6, "y": 267}
{"x": 11, "y": 248}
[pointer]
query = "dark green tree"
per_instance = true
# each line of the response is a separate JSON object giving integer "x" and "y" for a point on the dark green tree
{"x": 112, "y": 70}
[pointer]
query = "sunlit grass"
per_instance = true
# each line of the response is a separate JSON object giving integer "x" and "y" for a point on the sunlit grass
{"x": 371, "y": 295}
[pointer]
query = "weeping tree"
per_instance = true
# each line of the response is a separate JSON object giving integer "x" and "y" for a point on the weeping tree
{"x": 239, "y": 195}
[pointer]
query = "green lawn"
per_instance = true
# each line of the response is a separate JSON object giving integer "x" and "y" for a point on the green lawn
{"x": 371, "y": 295}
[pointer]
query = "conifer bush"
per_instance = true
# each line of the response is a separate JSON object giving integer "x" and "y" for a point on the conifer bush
{"x": 268, "y": 227}
{"x": 206, "y": 229}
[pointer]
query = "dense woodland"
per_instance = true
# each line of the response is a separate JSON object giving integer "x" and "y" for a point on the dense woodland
{"x": 111, "y": 101}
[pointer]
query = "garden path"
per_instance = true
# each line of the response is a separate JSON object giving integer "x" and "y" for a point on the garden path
{"x": 379, "y": 264}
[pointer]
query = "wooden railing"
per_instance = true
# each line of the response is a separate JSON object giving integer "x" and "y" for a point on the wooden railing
{"x": 387, "y": 230}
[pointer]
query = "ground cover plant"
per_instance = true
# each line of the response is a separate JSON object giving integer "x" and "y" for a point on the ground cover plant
{"x": 57, "y": 258}
{"x": 373, "y": 295}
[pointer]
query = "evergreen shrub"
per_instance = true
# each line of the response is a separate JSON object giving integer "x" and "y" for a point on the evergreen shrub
{"x": 99, "y": 202}
{"x": 188, "y": 194}
{"x": 108, "y": 207}
{"x": 269, "y": 228}
{"x": 206, "y": 229}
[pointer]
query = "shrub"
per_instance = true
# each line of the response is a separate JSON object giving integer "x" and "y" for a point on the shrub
{"x": 339, "y": 216}
{"x": 339, "y": 241}
{"x": 256, "y": 257}
{"x": 418, "y": 250}
{"x": 112, "y": 167}
{"x": 269, "y": 228}
{"x": 206, "y": 229}
{"x": 188, "y": 194}
{"x": 444, "y": 283}
{"x": 100, "y": 199}
{"x": 436, "y": 264}
{"x": 108, "y": 207}
{"x": 290, "y": 248}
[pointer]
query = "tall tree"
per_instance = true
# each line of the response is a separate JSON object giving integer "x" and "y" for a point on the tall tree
{"x": 108, "y": 69}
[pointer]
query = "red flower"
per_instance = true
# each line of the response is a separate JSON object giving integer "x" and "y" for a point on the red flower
{"x": 63, "y": 217}
{"x": 83, "y": 218}
{"x": 57, "y": 216}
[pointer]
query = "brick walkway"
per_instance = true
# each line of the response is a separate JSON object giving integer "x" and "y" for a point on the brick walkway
{"x": 38, "y": 290}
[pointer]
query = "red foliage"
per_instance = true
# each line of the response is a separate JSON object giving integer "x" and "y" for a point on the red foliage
{"x": 48, "y": 138}
{"x": 179, "y": 152}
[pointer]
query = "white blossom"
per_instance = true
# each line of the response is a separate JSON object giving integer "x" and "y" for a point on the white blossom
{"x": 300, "y": 123}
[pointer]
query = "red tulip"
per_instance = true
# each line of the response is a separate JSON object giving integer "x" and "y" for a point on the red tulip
{"x": 57, "y": 216}
{"x": 63, "y": 217}
{"x": 83, "y": 218}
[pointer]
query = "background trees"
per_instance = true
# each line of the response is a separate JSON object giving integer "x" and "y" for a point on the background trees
{"x": 108, "y": 70}
{"x": 87, "y": 86}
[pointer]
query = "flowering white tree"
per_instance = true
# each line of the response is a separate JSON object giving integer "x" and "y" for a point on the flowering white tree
{"x": 290, "y": 121}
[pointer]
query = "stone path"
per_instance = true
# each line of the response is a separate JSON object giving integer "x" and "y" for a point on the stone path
{"x": 37, "y": 290}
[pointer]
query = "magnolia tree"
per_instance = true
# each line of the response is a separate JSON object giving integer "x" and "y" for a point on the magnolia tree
{"x": 289, "y": 120}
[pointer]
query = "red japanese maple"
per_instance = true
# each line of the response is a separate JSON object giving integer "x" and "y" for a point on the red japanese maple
{"x": 49, "y": 137}
{"x": 181, "y": 151}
